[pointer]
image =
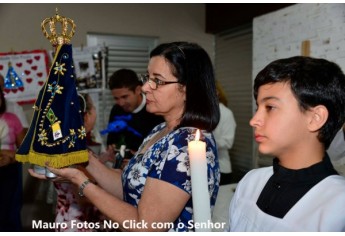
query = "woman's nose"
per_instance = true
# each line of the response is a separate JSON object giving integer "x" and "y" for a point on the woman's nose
{"x": 145, "y": 87}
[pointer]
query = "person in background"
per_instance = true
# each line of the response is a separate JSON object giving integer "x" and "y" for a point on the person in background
{"x": 14, "y": 108}
{"x": 155, "y": 186}
{"x": 300, "y": 107}
{"x": 70, "y": 207}
{"x": 11, "y": 183}
{"x": 93, "y": 139}
{"x": 125, "y": 87}
{"x": 224, "y": 135}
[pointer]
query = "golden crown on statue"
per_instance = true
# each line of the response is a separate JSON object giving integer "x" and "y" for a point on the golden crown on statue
{"x": 67, "y": 29}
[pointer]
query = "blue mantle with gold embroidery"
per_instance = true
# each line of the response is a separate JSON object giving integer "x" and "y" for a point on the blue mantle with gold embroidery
{"x": 57, "y": 133}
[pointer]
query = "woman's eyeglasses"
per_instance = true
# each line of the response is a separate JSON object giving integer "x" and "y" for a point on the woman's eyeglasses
{"x": 154, "y": 82}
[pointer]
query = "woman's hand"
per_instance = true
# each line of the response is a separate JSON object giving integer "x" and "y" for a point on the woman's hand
{"x": 73, "y": 174}
{"x": 107, "y": 156}
{"x": 66, "y": 174}
{"x": 42, "y": 176}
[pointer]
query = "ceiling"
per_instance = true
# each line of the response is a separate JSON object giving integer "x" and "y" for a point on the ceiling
{"x": 224, "y": 16}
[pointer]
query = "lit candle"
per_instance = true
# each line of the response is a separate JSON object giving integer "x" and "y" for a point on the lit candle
{"x": 200, "y": 195}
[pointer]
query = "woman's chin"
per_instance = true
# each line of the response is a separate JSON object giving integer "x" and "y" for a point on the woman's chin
{"x": 150, "y": 110}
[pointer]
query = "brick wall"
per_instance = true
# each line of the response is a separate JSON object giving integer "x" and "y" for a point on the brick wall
{"x": 280, "y": 34}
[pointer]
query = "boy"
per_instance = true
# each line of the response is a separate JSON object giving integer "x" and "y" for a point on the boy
{"x": 300, "y": 108}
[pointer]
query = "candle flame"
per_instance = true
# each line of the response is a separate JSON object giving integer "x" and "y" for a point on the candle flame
{"x": 197, "y": 135}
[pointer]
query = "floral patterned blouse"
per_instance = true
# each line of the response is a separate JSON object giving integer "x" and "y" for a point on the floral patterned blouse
{"x": 168, "y": 161}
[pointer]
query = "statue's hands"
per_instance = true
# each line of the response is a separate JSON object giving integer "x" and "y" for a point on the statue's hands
{"x": 34, "y": 174}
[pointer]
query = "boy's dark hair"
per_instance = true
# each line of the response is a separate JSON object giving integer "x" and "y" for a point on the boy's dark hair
{"x": 192, "y": 66}
{"x": 124, "y": 78}
{"x": 313, "y": 82}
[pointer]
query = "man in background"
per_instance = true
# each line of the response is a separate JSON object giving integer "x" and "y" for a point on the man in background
{"x": 129, "y": 100}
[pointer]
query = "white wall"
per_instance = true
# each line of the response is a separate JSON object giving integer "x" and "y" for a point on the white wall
{"x": 280, "y": 34}
{"x": 20, "y": 24}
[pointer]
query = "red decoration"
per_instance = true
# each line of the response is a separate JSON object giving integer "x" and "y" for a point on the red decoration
{"x": 32, "y": 67}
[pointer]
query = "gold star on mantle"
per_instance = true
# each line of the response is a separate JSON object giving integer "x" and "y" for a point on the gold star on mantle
{"x": 59, "y": 68}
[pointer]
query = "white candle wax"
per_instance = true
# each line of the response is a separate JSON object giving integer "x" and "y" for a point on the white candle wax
{"x": 200, "y": 194}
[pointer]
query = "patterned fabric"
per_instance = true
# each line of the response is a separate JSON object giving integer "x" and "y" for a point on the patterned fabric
{"x": 168, "y": 161}
{"x": 70, "y": 208}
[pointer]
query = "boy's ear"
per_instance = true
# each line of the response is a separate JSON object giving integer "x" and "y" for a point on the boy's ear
{"x": 318, "y": 118}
